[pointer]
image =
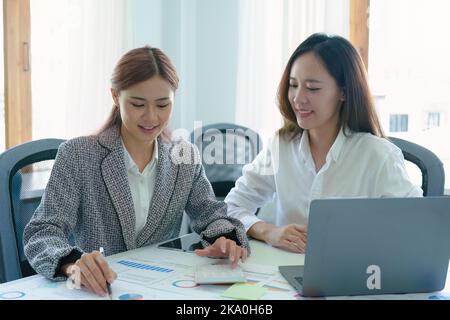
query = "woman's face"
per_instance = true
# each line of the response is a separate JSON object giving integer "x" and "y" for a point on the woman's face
{"x": 313, "y": 93}
{"x": 145, "y": 109}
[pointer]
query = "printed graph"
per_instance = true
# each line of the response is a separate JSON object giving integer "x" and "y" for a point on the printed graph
{"x": 143, "y": 266}
{"x": 131, "y": 296}
{"x": 439, "y": 297}
{"x": 11, "y": 295}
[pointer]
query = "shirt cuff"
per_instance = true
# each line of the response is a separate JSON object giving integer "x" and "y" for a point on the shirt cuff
{"x": 230, "y": 235}
{"x": 72, "y": 257}
{"x": 249, "y": 221}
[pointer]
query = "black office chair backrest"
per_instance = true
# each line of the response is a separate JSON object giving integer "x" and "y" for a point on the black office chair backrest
{"x": 21, "y": 187}
{"x": 431, "y": 167}
{"x": 225, "y": 148}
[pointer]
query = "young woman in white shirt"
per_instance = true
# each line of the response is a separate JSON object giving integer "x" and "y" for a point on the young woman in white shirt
{"x": 331, "y": 145}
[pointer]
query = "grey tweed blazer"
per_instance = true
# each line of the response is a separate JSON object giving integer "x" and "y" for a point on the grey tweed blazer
{"x": 88, "y": 200}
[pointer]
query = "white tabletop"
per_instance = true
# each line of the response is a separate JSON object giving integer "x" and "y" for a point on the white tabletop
{"x": 153, "y": 273}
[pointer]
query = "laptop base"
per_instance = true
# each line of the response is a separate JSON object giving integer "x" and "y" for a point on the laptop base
{"x": 293, "y": 275}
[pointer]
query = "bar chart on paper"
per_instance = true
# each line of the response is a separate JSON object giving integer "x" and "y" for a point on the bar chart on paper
{"x": 138, "y": 277}
{"x": 142, "y": 266}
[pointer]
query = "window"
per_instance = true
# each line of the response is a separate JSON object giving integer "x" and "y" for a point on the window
{"x": 398, "y": 123}
{"x": 433, "y": 120}
{"x": 281, "y": 26}
{"x": 408, "y": 66}
{"x": 75, "y": 47}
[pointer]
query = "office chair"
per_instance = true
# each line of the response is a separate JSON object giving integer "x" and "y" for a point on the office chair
{"x": 433, "y": 174}
{"x": 19, "y": 201}
{"x": 225, "y": 148}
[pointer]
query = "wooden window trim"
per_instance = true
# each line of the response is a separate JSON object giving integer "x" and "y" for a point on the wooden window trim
{"x": 18, "y": 115}
{"x": 359, "y": 27}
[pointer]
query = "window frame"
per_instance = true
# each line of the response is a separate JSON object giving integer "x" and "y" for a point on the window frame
{"x": 16, "y": 29}
{"x": 359, "y": 28}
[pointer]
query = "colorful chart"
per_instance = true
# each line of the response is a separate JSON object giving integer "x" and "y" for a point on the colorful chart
{"x": 439, "y": 298}
{"x": 185, "y": 284}
{"x": 11, "y": 295}
{"x": 131, "y": 296}
{"x": 142, "y": 266}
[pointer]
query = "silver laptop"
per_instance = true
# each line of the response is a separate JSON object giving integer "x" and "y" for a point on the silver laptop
{"x": 374, "y": 246}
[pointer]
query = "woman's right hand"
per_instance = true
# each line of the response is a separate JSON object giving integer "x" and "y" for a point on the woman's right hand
{"x": 94, "y": 272}
{"x": 291, "y": 237}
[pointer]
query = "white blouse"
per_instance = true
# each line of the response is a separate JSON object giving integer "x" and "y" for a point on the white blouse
{"x": 142, "y": 186}
{"x": 360, "y": 165}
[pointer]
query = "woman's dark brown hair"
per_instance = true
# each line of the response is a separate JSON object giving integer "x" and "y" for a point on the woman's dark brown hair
{"x": 346, "y": 66}
{"x": 135, "y": 66}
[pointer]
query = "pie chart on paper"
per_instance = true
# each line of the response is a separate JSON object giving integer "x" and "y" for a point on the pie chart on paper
{"x": 131, "y": 296}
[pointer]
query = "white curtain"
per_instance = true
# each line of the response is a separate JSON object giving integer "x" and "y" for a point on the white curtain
{"x": 75, "y": 45}
{"x": 269, "y": 33}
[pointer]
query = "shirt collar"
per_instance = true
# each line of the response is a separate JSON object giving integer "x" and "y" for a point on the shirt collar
{"x": 304, "y": 149}
{"x": 129, "y": 162}
{"x": 335, "y": 149}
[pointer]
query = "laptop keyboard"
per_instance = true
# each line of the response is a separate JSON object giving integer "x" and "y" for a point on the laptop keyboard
{"x": 299, "y": 280}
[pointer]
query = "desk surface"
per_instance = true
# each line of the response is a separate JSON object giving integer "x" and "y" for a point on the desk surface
{"x": 153, "y": 273}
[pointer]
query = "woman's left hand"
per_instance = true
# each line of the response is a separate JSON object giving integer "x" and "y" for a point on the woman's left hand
{"x": 223, "y": 247}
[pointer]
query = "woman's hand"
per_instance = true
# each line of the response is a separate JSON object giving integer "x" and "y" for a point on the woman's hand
{"x": 291, "y": 237}
{"x": 224, "y": 247}
{"x": 94, "y": 272}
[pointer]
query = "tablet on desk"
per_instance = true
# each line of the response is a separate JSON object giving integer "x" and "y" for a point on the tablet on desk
{"x": 186, "y": 243}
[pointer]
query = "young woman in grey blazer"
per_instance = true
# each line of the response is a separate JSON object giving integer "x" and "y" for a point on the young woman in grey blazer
{"x": 128, "y": 185}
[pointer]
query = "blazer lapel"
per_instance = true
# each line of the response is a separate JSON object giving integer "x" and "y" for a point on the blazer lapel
{"x": 166, "y": 175}
{"x": 116, "y": 180}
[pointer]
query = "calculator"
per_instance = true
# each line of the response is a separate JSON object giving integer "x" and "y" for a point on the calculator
{"x": 218, "y": 273}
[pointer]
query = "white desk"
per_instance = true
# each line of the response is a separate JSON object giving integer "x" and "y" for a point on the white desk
{"x": 152, "y": 273}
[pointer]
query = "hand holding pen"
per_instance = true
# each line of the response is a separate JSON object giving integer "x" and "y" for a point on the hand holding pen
{"x": 95, "y": 272}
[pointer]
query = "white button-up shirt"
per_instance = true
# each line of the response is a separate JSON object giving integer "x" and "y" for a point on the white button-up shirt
{"x": 142, "y": 186}
{"x": 360, "y": 165}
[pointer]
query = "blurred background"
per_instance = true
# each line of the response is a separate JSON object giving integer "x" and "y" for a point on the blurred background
{"x": 229, "y": 55}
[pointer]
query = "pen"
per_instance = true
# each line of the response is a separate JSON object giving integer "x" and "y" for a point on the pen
{"x": 108, "y": 285}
